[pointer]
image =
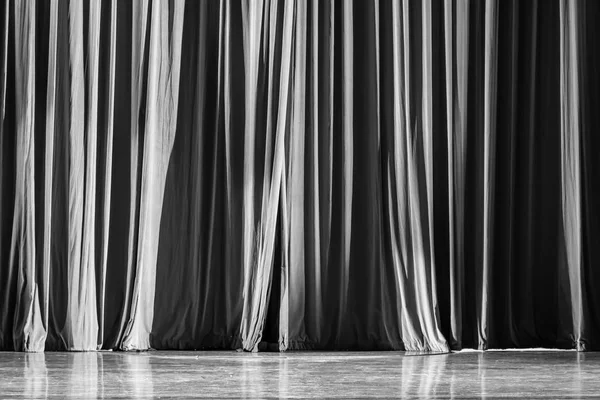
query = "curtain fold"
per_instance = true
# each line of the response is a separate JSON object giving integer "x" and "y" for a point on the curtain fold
{"x": 407, "y": 175}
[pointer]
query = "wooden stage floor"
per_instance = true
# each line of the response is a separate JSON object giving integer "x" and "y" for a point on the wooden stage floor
{"x": 544, "y": 374}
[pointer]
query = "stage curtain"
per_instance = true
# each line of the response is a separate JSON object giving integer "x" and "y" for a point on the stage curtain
{"x": 299, "y": 174}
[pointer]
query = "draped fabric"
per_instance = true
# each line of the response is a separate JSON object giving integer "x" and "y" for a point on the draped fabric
{"x": 182, "y": 174}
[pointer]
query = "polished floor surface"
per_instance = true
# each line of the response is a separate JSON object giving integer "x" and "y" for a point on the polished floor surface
{"x": 558, "y": 374}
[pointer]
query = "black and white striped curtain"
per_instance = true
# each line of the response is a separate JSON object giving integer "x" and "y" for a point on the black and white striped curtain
{"x": 356, "y": 174}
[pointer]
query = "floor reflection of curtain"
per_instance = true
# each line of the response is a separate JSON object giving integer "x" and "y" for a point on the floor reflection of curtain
{"x": 482, "y": 367}
{"x": 577, "y": 377}
{"x": 283, "y": 378}
{"x": 84, "y": 375}
{"x": 256, "y": 377}
{"x": 36, "y": 384}
{"x": 454, "y": 381}
{"x": 432, "y": 370}
{"x": 137, "y": 370}
{"x": 420, "y": 374}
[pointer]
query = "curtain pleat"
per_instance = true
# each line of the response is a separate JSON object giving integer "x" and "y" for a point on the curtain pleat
{"x": 302, "y": 174}
{"x": 166, "y": 26}
{"x": 139, "y": 75}
{"x": 570, "y": 140}
{"x": 107, "y": 115}
{"x": 27, "y": 329}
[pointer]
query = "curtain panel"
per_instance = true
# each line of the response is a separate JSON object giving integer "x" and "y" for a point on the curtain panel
{"x": 299, "y": 174}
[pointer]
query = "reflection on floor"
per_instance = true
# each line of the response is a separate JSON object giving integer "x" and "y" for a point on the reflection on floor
{"x": 306, "y": 374}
